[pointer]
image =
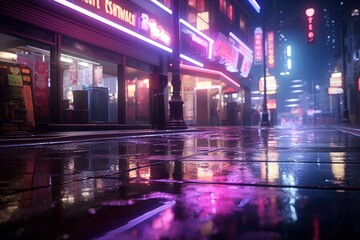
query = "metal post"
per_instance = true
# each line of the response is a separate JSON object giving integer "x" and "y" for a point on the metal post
{"x": 264, "y": 115}
{"x": 176, "y": 119}
{"x": 345, "y": 118}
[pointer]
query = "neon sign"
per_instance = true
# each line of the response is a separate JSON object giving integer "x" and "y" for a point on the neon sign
{"x": 270, "y": 50}
{"x": 310, "y": 14}
{"x": 156, "y": 30}
{"x": 258, "y": 47}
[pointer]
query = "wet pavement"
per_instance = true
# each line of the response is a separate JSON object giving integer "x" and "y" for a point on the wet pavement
{"x": 217, "y": 183}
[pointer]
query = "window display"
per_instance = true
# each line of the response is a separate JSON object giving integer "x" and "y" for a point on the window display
{"x": 90, "y": 90}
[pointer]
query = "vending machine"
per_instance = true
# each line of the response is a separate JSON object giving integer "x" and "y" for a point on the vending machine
{"x": 16, "y": 99}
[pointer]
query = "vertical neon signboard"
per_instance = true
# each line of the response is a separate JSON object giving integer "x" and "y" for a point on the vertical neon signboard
{"x": 258, "y": 48}
{"x": 270, "y": 50}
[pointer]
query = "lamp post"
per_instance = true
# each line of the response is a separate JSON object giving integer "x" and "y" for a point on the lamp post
{"x": 264, "y": 115}
{"x": 176, "y": 119}
{"x": 345, "y": 118}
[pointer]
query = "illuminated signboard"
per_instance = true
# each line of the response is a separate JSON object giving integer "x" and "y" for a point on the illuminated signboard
{"x": 271, "y": 104}
{"x": 310, "y": 29}
{"x": 270, "y": 50}
{"x": 335, "y": 90}
{"x": 125, "y": 17}
{"x": 194, "y": 42}
{"x": 246, "y": 52}
{"x": 156, "y": 31}
{"x": 225, "y": 52}
{"x": 258, "y": 46}
{"x": 336, "y": 80}
{"x": 271, "y": 85}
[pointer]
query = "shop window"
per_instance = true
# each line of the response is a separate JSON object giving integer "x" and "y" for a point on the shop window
{"x": 37, "y": 57}
{"x": 137, "y": 96}
{"x": 90, "y": 90}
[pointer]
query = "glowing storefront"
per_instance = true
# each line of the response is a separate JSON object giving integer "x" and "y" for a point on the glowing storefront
{"x": 95, "y": 63}
{"x": 97, "y": 60}
{"x": 211, "y": 93}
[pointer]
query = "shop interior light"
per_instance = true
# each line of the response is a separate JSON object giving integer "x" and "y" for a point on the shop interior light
{"x": 162, "y": 6}
{"x": 84, "y": 64}
{"x": 81, "y": 61}
{"x": 8, "y": 56}
{"x": 112, "y": 24}
{"x": 211, "y": 41}
{"x": 66, "y": 59}
{"x": 206, "y": 70}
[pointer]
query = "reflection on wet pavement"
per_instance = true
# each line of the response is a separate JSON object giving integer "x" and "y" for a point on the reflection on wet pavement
{"x": 227, "y": 183}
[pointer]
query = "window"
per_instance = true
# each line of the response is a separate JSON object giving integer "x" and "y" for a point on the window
{"x": 197, "y": 15}
{"x": 137, "y": 96}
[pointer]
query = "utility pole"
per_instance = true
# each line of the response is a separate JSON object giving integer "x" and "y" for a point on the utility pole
{"x": 345, "y": 118}
{"x": 264, "y": 115}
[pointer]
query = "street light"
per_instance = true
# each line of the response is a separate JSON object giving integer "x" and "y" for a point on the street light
{"x": 176, "y": 119}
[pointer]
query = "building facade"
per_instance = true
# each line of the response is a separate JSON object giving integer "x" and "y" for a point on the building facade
{"x": 92, "y": 61}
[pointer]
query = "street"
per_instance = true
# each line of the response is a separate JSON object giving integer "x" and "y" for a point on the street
{"x": 216, "y": 183}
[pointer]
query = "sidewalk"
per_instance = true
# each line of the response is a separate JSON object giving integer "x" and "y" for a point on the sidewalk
{"x": 205, "y": 183}
{"x": 55, "y": 137}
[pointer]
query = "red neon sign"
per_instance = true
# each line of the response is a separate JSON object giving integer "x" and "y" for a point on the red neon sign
{"x": 310, "y": 33}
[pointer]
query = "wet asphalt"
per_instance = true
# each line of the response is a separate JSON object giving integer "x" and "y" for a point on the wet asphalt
{"x": 218, "y": 183}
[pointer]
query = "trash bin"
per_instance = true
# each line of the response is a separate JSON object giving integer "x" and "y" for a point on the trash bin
{"x": 158, "y": 82}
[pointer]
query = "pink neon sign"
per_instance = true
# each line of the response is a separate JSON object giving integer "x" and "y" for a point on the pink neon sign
{"x": 157, "y": 32}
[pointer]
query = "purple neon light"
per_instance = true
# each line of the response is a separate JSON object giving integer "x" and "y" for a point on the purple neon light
{"x": 191, "y": 60}
{"x": 255, "y": 5}
{"x": 162, "y": 6}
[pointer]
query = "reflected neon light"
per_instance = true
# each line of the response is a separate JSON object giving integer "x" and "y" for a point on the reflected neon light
{"x": 112, "y": 24}
{"x": 206, "y": 70}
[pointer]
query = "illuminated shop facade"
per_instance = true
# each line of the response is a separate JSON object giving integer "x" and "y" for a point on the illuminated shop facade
{"x": 93, "y": 65}
{"x": 216, "y": 88}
